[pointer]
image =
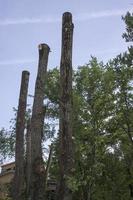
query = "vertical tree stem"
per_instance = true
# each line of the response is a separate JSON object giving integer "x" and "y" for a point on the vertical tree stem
{"x": 65, "y": 129}
{"x": 37, "y": 169}
{"x": 20, "y": 126}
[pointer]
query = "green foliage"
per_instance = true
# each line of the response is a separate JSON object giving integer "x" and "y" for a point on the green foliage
{"x": 128, "y": 19}
{"x": 6, "y": 144}
{"x": 102, "y": 147}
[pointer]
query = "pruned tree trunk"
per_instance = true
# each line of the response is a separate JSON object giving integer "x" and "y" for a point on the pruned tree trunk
{"x": 37, "y": 167}
{"x": 19, "y": 150}
{"x": 48, "y": 167}
{"x": 28, "y": 150}
{"x": 65, "y": 127}
{"x": 28, "y": 157}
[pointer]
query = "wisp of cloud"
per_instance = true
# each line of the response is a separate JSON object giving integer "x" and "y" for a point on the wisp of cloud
{"x": 55, "y": 19}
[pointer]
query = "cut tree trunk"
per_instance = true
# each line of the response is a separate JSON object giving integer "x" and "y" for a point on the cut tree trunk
{"x": 28, "y": 157}
{"x": 18, "y": 185}
{"x": 37, "y": 165}
{"x": 48, "y": 167}
{"x": 28, "y": 151}
{"x": 65, "y": 127}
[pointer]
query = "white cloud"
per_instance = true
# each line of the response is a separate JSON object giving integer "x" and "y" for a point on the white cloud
{"x": 17, "y": 62}
{"x": 55, "y": 19}
{"x": 24, "y": 21}
{"x": 102, "y": 14}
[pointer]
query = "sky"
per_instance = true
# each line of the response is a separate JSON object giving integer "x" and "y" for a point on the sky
{"x": 24, "y": 24}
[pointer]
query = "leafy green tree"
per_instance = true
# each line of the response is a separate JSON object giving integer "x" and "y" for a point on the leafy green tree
{"x": 128, "y": 19}
{"x": 6, "y": 144}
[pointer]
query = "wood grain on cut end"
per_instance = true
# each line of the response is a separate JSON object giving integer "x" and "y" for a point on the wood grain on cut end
{"x": 26, "y": 72}
{"x": 43, "y": 46}
{"x": 67, "y": 17}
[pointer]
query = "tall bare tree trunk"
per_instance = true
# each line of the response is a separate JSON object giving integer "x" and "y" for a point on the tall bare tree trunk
{"x": 66, "y": 147}
{"x": 37, "y": 167}
{"x": 19, "y": 151}
{"x": 28, "y": 151}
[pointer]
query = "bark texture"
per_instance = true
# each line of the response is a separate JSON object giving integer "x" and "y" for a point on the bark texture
{"x": 19, "y": 151}
{"x": 48, "y": 167}
{"x": 37, "y": 166}
{"x": 28, "y": 150}
{"x": 65, "y": 129}
{"x": 28, "y": 157}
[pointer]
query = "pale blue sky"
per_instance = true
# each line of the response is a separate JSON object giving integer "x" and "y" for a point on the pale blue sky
{"x": 26, "y": 23}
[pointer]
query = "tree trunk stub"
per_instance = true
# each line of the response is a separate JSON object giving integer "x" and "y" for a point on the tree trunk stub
{"x": 65, "y": 129}
{"x": 19, "y": 149}
{"x": 37, "y": 174}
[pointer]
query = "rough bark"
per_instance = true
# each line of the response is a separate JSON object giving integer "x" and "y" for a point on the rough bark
{"x": 48, "y": 167}
{"x": 37, "y": 167}
{"x": 28, "y": 157}
{"x": 19, "y": 151}
{"x": 65, "y": 127}
{"x": 28, "y": 150}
